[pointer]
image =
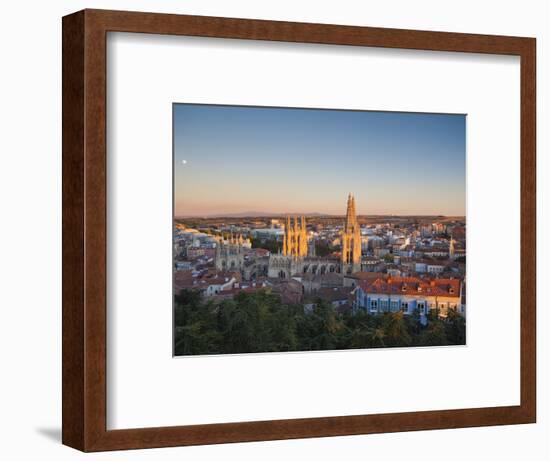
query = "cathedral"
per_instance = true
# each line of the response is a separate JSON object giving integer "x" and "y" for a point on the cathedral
{"x": 298, "y": 255}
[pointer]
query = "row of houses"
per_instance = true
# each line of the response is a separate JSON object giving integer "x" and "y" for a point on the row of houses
{"x": 218, "y": 286}
{"x": 373, "y": 293}
{"x": 410, "y": 294}
{"x": 380, "y": 293}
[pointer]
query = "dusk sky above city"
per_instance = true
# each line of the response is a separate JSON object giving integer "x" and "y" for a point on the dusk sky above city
{"x": 232, "y": 160}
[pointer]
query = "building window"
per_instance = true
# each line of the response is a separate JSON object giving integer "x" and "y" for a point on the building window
{"x": 404, "y": 307}
{"x": 421, "y": 307}
{"x": 373, "y": 305}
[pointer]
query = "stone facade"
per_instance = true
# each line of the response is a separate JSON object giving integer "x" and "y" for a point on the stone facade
{"x": 230, "y": 253}
{"x": 281, "y": 266}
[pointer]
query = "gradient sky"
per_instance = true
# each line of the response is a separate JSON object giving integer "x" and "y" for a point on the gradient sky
{"x": 232, "y": 159}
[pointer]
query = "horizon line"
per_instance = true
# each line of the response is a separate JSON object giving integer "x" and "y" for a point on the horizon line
{"x": 315, "y": 215}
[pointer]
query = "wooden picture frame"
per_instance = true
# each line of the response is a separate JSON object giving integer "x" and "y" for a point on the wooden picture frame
{"x": 85, "y": 222}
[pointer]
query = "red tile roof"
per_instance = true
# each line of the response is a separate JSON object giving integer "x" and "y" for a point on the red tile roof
{"x": 412, "y": 286}
{"x": 363, "y": 275}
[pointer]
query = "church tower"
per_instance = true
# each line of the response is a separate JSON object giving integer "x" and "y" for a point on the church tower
{"x": 351, "y": 240}
{"x": 229, "y": 253}
{"x": 295, "y": 239}
{"x": 452, "y": 248}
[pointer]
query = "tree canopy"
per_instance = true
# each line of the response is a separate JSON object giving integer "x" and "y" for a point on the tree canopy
{"x": 260, "y": 322}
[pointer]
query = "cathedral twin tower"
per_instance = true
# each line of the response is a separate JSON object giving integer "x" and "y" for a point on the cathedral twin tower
{"x": 295, "y": 240}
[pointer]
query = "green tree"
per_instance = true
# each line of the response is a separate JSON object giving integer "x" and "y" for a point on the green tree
{"x": 395, "y": 329}
{"x": 455, "y": 328}
{"x": 433, "y": 335}
{"x": 322, "y": 249}
{"x": 260, "y": 322}
{"x": 272, "y": 245}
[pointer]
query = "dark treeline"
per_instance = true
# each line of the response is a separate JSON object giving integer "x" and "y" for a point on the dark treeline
{"x": 259, "y": 322}
{"x": 273, "y": 245}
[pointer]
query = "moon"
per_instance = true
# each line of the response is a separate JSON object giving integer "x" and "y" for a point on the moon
{"x": 184, "y": 162}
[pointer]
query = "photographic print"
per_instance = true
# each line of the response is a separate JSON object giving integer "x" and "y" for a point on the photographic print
{"x": 299, "y": 229}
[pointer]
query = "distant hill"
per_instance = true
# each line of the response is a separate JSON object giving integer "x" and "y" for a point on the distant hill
{"x": 263, "y": 214}
{"x": 251, "y": 214}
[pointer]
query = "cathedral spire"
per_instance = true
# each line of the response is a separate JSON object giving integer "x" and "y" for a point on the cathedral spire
{"x": 286, "y": 238}
{"x": 351, "y": 239}
{"x": 303, "y": 237}
{"x": 351, "y": 219}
